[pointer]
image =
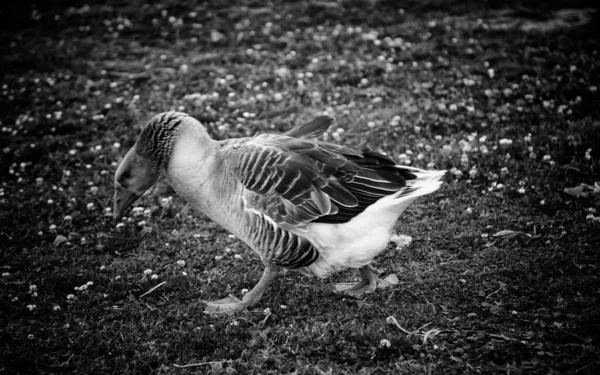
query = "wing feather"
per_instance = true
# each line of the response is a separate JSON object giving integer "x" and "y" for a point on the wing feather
{"x": 295, "y": 181}
{"x": 311, "y": 129}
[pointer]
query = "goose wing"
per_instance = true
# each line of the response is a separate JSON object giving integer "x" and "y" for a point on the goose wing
{"x": 295, "y": 181}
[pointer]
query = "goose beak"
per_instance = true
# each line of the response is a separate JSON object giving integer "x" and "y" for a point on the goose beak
{"x": 122, "y": 200}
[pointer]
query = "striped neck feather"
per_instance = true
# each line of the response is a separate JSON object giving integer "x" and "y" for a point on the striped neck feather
{"x": 157, "y": 137}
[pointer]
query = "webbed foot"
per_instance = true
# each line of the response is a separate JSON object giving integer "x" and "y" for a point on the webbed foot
{"x": 225, "y": 305}
{"x": 370, "y": 283}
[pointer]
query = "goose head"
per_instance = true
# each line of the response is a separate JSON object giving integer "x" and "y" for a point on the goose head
{"x": 142, "y": 165}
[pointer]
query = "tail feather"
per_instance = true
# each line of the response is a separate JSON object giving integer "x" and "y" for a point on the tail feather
{"x": 426, "y": 182}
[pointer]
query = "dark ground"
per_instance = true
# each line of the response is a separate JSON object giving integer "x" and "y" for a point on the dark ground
{"x": 502, "y": 273}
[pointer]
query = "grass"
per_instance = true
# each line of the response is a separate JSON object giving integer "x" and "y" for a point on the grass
{"x": 503, "y": 95}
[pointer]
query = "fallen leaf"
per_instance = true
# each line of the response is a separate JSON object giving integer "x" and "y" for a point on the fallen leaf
{"x": 390, "y": 280}
{"x": 60, "y": 239}
{"x": 577, "y": 191}
{"x": 509, "y": 233}
{"x": 505, "y": 232}
{"x": 583, "y": 190}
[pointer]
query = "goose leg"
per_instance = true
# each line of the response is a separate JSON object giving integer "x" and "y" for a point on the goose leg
{"x": 369, "y": 282}
{"x": 231, "y": 303}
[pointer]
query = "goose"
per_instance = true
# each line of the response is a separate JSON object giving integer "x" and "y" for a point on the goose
{"x": 298, "y": 202}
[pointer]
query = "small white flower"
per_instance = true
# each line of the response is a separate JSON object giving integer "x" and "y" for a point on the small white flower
{"x": 244, "y": 291}
{"x": 154, "y": 277}
{"x": 385, "y": 343}
{"x": 56, "y": 308}
{"x": 148, "y": 271}
{"x": 31, "y": 307}
{"x": 267, "y": 311}
{"x": 181, "y": 263}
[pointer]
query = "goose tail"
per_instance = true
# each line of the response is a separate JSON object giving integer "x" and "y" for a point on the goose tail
{"x": 425, "y": 182}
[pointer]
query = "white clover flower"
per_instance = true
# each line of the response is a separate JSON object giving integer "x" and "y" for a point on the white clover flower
{"x": 166, "y": 202}
{"x": 31, "y": 307}
{"x": 148, "y": 271}
{"x": 154, "y": 277}
{"x": 267, "y": 311}
{"x": 181, "y": 263}
{"x": 237, "y": 256}
{"x": 56, "y": 308}
{"x": 218, "y": 257}
{"x": 385, "y": 343}
{"x": 244, "y": 291}
{"x": 521, "y": 190}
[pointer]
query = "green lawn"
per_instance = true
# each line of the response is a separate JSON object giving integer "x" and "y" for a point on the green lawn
{"x": 503, "y": 95}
